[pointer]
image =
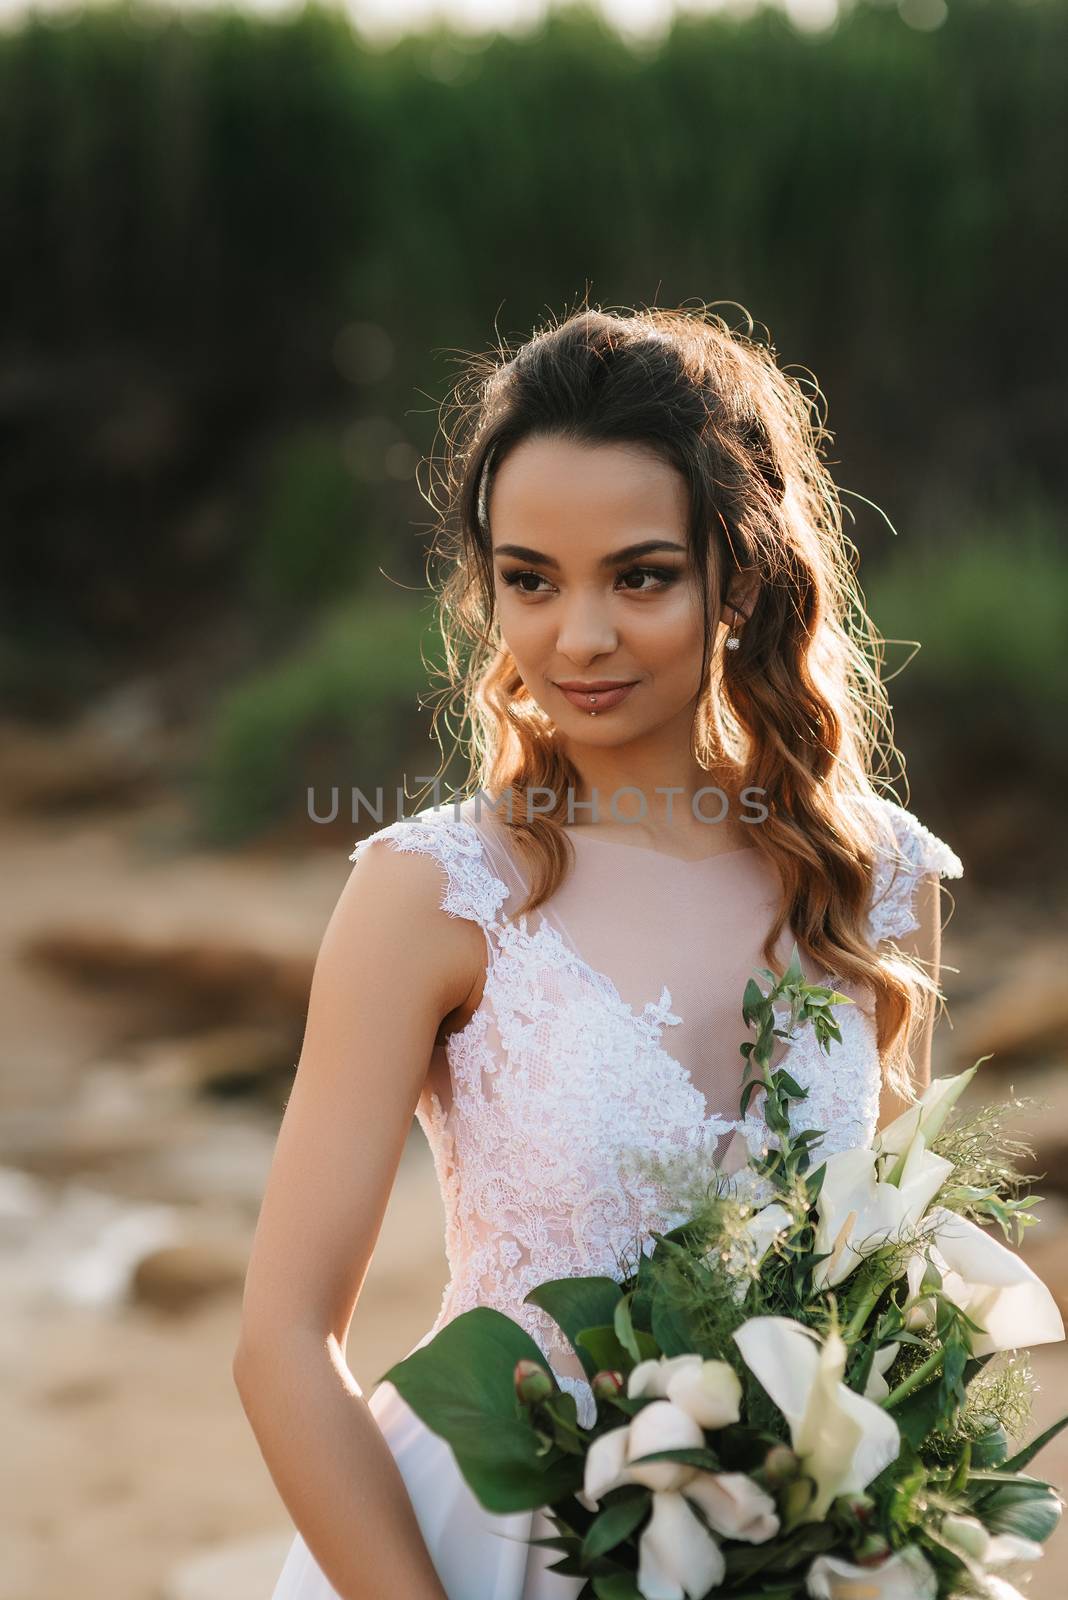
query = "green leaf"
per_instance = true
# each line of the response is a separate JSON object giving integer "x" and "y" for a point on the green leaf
{"x": 778, "y": 1556}
{"x": 575, "y": 1304}
{"x": 624, "y": 1331}
{"x": 990, "y": 1449}
{"x": 617, "y": 1586}
{"x": 1025, "y": 1456}
{"x": 671, "y": 1328}
{"x": 921, "y": 1412}
{"x": 612, "y": 1525}
{"x": 752, "y": 1000}
{"x": 606, "y": 1352}
{"x": 691, "y": 1455}
{"x": 792, "y": 1084}
{"x": 562, "y": 1408}
{"x": 1028, "y": 1507}
{"x": 460, "y": 1385}
{"x": 794, "y": 972}
{"x": 787, "y": 1591}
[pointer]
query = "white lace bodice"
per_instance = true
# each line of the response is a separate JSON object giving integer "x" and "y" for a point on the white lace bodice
{"x": 556, "y": 1078}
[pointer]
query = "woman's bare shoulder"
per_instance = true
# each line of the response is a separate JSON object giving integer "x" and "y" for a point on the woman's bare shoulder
{"x": 392, "y": 902}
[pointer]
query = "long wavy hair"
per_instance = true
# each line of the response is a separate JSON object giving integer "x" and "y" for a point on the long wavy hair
{"x": 798, "y": 711}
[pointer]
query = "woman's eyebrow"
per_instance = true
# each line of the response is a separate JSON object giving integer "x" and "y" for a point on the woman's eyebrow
{"x": 616, "y": 558}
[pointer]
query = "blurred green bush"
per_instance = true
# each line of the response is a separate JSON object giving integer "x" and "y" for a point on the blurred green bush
{"x": 340, "y": 711}
{"x": 986, "y": 694}
{"x": 237, "y": 247}
{"x": 221, "y": 227}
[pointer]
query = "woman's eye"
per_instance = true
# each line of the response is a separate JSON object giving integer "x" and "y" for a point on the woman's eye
{"x": 663, "y": 576}
{"x": 512, "y": 579}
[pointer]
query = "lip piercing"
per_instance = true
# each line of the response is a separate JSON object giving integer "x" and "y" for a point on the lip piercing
{"x": 592, "y": 698}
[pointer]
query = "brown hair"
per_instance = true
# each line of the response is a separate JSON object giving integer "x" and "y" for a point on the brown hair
{"x": 797, "y": 709}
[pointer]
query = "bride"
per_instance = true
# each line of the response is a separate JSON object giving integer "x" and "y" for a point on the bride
{"x": 674, "y": 699}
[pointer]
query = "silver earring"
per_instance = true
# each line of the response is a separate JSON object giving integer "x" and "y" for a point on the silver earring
{"x": 733, "y": 643}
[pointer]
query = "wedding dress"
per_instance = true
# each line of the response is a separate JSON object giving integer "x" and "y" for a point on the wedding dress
{"x": 610, "y": 1022}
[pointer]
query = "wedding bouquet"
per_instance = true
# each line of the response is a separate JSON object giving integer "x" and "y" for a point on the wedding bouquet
{"x": 807, "y": 1389}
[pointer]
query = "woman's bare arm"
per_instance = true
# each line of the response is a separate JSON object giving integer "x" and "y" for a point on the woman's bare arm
{"x": 392, "y": 964}
{"x": 925, "y": 944}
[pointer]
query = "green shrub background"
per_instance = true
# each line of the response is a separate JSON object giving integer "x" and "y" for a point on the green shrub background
{"x": 242, "y": 256}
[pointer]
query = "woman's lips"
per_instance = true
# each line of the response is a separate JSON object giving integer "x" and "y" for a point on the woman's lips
{"x": 597, "y": 699}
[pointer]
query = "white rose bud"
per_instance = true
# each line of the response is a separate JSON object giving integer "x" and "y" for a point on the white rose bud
{"x": 652, "y": 1377}
{"x": 711, "y": 1393}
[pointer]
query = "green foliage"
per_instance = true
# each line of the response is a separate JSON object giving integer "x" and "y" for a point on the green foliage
{"x": 1022, "y": 1505}
{"x": 578, "y": 1303}
{"x": 997, "y": 670}
{"x": 986, "y": 1181}
{"x": 619, "y": 1519}
{"x": 478, "y": 1412}
{"x": 338, "y": 712}
{"x": 198, "y": 206}
{"x": 310, "y": 541}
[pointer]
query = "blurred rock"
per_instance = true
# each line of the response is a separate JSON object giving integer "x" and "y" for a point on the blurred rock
{"x": 78, "y": 1138}
{"x": 82, "y": 1248}
{"x": 23, "y": 1201}
{"x": 179, "y": 1276}
{"x": 114, "y": 750}
{"x": 1020, "y": 1012}
{"x": 198, "y": 977}
{"x": 224, "y": 1059}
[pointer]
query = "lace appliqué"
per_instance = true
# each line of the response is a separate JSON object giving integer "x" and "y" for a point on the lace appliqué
{"x": 911, "y": 851}
{"x": 471, "y": 890}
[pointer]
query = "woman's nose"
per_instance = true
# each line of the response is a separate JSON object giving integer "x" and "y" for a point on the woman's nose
{"x": 586, "y": 629}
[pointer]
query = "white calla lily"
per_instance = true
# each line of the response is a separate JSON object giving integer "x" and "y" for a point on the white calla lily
{"x": 1006, "y": 1547}
{"x": 736, "y": 1507}
{"x": 843, "y": 1439}
{"x": 995, "y": 1588}
{"x": 925, "y": 1118}
{"x": 905, "y": 1575}
{"x": 677, "y": 1557}
{"x": 661, "y": 1425}
{"x": 967, "y": 1533}
{"x": 858, "y": 1211}
{"x": 992, "y": 1284}
{"x": 744, "y": 1256}
{"x": 877, "y": 1387}
{"x": 605, "y": 1467}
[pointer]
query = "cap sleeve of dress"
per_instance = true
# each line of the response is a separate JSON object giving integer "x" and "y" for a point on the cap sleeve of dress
{"x": 907, "y": 852}
{"x": 470, "y": 888}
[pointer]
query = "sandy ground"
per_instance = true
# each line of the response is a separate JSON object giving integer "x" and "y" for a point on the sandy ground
{"x": 131, "y": 1465}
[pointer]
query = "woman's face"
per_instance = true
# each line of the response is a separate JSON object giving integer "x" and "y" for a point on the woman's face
{"x": 594, "y": 585}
